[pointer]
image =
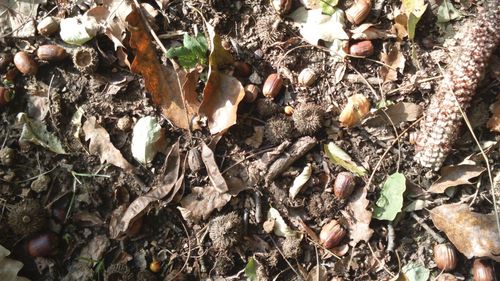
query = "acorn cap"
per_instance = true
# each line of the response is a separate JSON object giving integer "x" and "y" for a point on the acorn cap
{"x": 27, "y": 217}
{"x": 278, "y": 129}
{"x": 85, "y": 60}
{"x": 308, "y": 118}
{"x": 118, "y": 272}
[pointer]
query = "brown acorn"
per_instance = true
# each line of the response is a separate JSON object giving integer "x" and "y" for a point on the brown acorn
{"x": 43, "y": 245}
{"x": 332, "y": 234}
{"x": 51, "y": 53}
{"x": 343, "y": 185}
{"x": 242, "y": 69}
{"x": 48, "y": 26}
{"x": 307, "y": 77}
{"x": 25, "y": 64}
{"x": 282, "y": 7}
{"x": 482, "y": 270}
{"x": 272, "y": 85}
{"x": 361, "y": 48}
{"x": 5, "y": 96}
{"x": 251, "y": 93}
{"x": 357, "y": 13}
{"x": 445, "y": 257}
{"x": 27, "y": 217}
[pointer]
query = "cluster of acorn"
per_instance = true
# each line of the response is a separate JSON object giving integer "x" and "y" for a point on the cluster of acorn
{"x": 29, "y": 219}
{"x": 446, "y": 259}
{"x": 355, "y": 14}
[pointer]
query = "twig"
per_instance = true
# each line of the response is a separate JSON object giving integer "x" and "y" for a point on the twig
{"x": 366, "y": 82}
{"x": 379, "y": 261}
{"x": 427, "y": 228}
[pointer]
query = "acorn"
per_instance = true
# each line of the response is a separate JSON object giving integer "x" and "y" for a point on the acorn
{"x": 85, "y": 60}
{"x": 307, "y": 77}
{"x": 251, "y": 93}
{"x": 272, "y": 85}
{"x": 155, "y": 266}
{"x": 5, "y": 96}
{"x": 51, "y": 53}
{"x": 43, "y": 245}
{"x": 356, "y": 109}
{"x": 118, "y": 272}
{"x": 288, "y": 110}
{"x": 5, "y": 60}
{"x": 278, "y": 129}
{"x": 308, "y": 118}
{"x": 332, "y": 234}
{"x": 445, "y": 257}
{"x": 27, "y": 217}
{"x": 282, "y": 7}
{"x": 482, "y": 270}
{"x": 361, "y": 48}
{"x": 25, "y": 64}
{"x": 343, "y": 185}
{"x": 358, "y": 12}
{"x": 242, "y": 69}
{"x": 48, "y": 26}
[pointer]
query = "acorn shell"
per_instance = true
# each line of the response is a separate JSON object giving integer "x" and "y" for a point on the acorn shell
{"x": 27, "y": 217}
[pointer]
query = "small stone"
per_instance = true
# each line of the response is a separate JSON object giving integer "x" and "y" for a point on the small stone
{"x": 124, "y": 123}
{"x": 40, "y": 184}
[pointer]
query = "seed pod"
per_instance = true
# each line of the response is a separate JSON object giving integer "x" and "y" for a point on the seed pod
{"x": 358, "y": 12}
{"x": 331, "y": 234}
{"x": 445, "y": 257}
{"x": 357, "y": 107}
{"x": 282, "y": 7}
{"x": 51, "y": 53}
{"x": 272, "y": 86}
{"x": 43, "y": 245}
{"x": 361, "y": 48}
{"x": 482, "y": 270}
{"x": 307, "y": 77}
{"x": 242, "y": 69}
{"x": 48, "y": 26}
{"x": 251, "y": 93}
{"x": 5, "y": 96}
{"x": 343, "y": 185}
{"x": 25, "y": 64}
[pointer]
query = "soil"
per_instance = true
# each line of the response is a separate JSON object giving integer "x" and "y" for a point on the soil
{"x": 81, "y": 195}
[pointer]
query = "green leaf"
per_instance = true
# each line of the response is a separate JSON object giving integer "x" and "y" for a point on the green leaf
{"x": 328, "y": 6}
{"x": 341, "y": 158}
{"x": 390, "y": 202}
{"x": 251, "y": 269}
{"x": 36, "y": 132}
{"x": 193, "y": 51}
{"x": 414, "y": 9}
{"x": 447, "y": 12}
{"x": 416, "y": 272}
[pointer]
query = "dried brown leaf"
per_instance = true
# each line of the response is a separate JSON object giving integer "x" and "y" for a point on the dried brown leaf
{"x": 201, "y": 202}
{"x": 395, "y": 62}
{"x": 162, "y": 82}
{"x": 473, "y": 234}
{"x": 169, "y": 182}
{"x": 101, "y": 145}
{"x": 494, "y": 122}
{"x": 212, "y": 169}
{"x": 317, "y": 273}
{"x": 358, "y": 217}
{"x": 222, "y": 92}
{"x": 399, "y": 112}
{"x": 368, "y": 31}
{"x": 455, "y": 175}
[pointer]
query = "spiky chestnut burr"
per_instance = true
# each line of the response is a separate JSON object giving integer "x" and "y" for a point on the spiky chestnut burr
{"x": 307, "y": 118}
{"x": 278, "y": 129}
{"x": 118, "y": 271}
{"x": 443, "y": 119}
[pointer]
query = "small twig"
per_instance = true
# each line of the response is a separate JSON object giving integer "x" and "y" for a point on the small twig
{"x": 427, "y": 228}
{"x": 379, "y": 261}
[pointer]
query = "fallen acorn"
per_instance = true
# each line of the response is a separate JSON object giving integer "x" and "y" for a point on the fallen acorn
{"x": 332, "y": 234}
{"x": 251, "y": 93}
{"x": 445, "y": 257}
{"x": 482, "y": 270}
{"x": 51, "y": 53}
{"x": 48, "y": 26}
{"x": 43, "y": 245}
{"x": 358, "y": 12}
{"x": 5, "y": 96}
{"x": 343, "y": 185}
{"x": 307, "y": 77}
{"x": 361, "y": 48}
{"x": 25, "y": 64}
{"x": 272, "y": 85}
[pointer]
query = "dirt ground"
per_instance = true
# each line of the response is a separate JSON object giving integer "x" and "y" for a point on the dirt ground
{"x": 197, "y": 233}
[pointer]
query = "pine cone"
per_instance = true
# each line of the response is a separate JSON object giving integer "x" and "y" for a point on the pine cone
{"x": 442, "y": 119}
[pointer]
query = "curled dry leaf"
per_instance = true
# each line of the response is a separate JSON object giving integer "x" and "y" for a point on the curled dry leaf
{"x": 212, "y": 169}
{"x": 223, "y": 93}
{"x": 280, "y": 227}
{"x": 339, "y": 157}
{"x": 300, "y": 181}
{"x": 395, "y": 62}
{"x": 399, "y": 112}
{"x": 162, "y": 82}
{"x": 169, "y": 184}
{"x": 473, "y": 234}
{"x": 201, "y": 202}
{"x": 358, "y": 217}
{"x": 455, "y": 175}
{"x": 9, "y": 267}
{"x": 101, "y": 145}
{"x": 36, "y": 132}
{"x": 356, "y": 109}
